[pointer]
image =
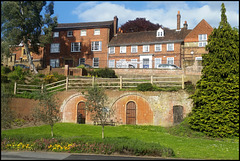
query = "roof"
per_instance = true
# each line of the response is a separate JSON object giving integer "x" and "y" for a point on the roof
{"x": 148, "y": 37}
{"x": 84, "y": 25}
{"x": 202, "y": 28}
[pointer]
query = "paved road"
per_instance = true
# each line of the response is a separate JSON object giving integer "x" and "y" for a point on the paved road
{"x": 26, "y": 155}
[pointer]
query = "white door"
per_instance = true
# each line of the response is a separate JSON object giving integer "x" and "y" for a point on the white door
{"x": 146, "y": 61}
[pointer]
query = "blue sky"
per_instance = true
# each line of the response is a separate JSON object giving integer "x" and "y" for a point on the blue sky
{"x": 161, "y": 12}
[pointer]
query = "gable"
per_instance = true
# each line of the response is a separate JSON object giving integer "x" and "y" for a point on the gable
{"x": 202, "y": 28}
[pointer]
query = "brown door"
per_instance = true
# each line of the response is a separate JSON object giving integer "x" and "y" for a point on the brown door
{"x": 81, "y": 113}
{"x": 131, "y": 113}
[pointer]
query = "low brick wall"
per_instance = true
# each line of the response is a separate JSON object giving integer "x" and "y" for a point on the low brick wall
{"x": 64, "y": 71}
{"x": 131, "y": 72}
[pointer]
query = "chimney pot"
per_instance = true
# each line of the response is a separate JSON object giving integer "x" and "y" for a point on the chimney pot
{"x": 178, "y": 20}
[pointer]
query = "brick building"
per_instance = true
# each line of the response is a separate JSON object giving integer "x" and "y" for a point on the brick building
{"x": 19, "y": 56}
{"x": 100, "y": 45}
{"x": 196, "y": 40}
{"x": 78, "y": 43}
{"x": 149, "y": 48}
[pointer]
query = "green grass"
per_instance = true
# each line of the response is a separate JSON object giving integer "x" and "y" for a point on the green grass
{"x": 183, "y": 146}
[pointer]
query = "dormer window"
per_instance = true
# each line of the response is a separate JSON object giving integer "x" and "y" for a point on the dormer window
{"x": 160, "y": 32}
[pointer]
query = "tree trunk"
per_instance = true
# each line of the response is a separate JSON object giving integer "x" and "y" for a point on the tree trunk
{"x": 32, "y": 66}
{"x": 102, "y": 131}
{"x": 52, "y": 131}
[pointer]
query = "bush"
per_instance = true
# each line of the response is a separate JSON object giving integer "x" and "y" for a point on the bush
{"x": 49, "y": 78}
{"x": 104, "y": 73}
{"x": 145, "y": 87}
{"x": 17, "y": 75}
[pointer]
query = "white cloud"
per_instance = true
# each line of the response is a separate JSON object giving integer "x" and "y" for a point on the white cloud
{"x": 164, "y": 13}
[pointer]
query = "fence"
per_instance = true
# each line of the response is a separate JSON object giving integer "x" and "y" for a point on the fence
{"x": 84, "y": 82}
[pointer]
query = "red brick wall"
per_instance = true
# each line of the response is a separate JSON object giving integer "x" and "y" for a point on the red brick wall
{"x": 202, "y": 28}
{"x": 162, "y": 54}
{"x": 65, "y": 47}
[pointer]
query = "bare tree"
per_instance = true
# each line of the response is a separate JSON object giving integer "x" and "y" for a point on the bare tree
{"x": 96, "y": 104}
{"x": 47, "y": 111}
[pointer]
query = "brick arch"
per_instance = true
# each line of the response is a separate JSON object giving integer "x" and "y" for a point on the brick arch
{"x": 144, "y": 113}
{"x": 69, "y": 108}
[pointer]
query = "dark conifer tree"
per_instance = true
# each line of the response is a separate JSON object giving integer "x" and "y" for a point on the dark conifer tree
{"x": 216, "y": 99}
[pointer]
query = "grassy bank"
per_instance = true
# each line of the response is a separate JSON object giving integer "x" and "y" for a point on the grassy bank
{"x": 183, "y": 147}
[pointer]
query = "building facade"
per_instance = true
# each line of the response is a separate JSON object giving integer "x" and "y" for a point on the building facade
{"x": 101, "y": 44}
{"x": 19, "y": 56}
{"x": 149, "y": 48}
{"x": 196, "y": 40}
{"x": 80, "y": 43}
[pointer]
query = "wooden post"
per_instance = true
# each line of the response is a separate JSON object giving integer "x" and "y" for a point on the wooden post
{"x": 151, "y": 79}
{"x": 66, "y": 83}
{"x": 15, "y": 88}
{"x": 182, "y": 81}
{"x": 42, "y": 89}
{"x": 93, "y": 81}
{"x": 120, "y": 82}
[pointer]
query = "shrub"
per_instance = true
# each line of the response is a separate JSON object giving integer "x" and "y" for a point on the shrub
{"x": 105, "y": 73}
{"x": 145, "y": 87}
{"x": 59, "y": 76}
{"x": 49, "y": 78}
{"x": 17, "y": 75}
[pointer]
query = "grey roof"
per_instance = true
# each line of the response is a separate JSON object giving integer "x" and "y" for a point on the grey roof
{"x": 84, "y": 25}
{"x": 148, "y": 37}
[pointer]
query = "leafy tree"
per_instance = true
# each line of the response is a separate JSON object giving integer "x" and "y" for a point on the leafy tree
{"x": 22, "y": 22}
{"x": 96, "y": 100}
{"x": 216, "y": 99}
{"x": 139, "y": 24}
{"x": 47, "y": 111}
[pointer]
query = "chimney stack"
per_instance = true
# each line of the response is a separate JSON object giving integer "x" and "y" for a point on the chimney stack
{"x": 185, "y": 25}
{"x": 178, "y": 20}
{"x": 115, "y": 25}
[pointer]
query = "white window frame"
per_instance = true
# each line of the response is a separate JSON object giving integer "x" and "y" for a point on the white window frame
{"x": 170, "y": 47}
{"x": 83, "y": 33}
{"x": 96, "y": 62}
{"x": 96, "y": 31}
{"x": 170, "y": 60}
{"x": 111, "y": 63}
{"x": 198, "y": 58}
{"x": 202, "y": 37}
{"x": 68, "y": 34}
{"x": 158, "y": 47}
{"x": 134, "y": 62}
{"x": 157, "y": 62}
{"x": 55, "y": 48}
{"x": 145, "y": 48}
{"x": 123, "y": 49}
{"x": 55, "y": 34}
{"x": 54, "y": 63}
{"x": 202, "y": 44}
{"x": 160, "y": 32}
{"x": 81, "y": 61}
{"x": 111, "y": 50}
{"x": 95, "y": 46}
{"x": 74, "y": 47}
{"x": 134, "y": 47}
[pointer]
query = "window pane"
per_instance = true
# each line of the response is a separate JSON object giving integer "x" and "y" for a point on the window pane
{"x": 111, "y": 63}
{"x": 83, "y": 32}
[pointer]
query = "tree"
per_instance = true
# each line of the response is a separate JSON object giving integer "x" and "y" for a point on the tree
{"x": 139, "y": 24}
{"x": 96, "y": 100}
{"x": 47, "y": 111}
{"x": 216, "y": 99}
{"x": 22, "y": 22}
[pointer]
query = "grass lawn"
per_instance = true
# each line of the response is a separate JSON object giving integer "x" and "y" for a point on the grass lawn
{"x": 184, "y": 147}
